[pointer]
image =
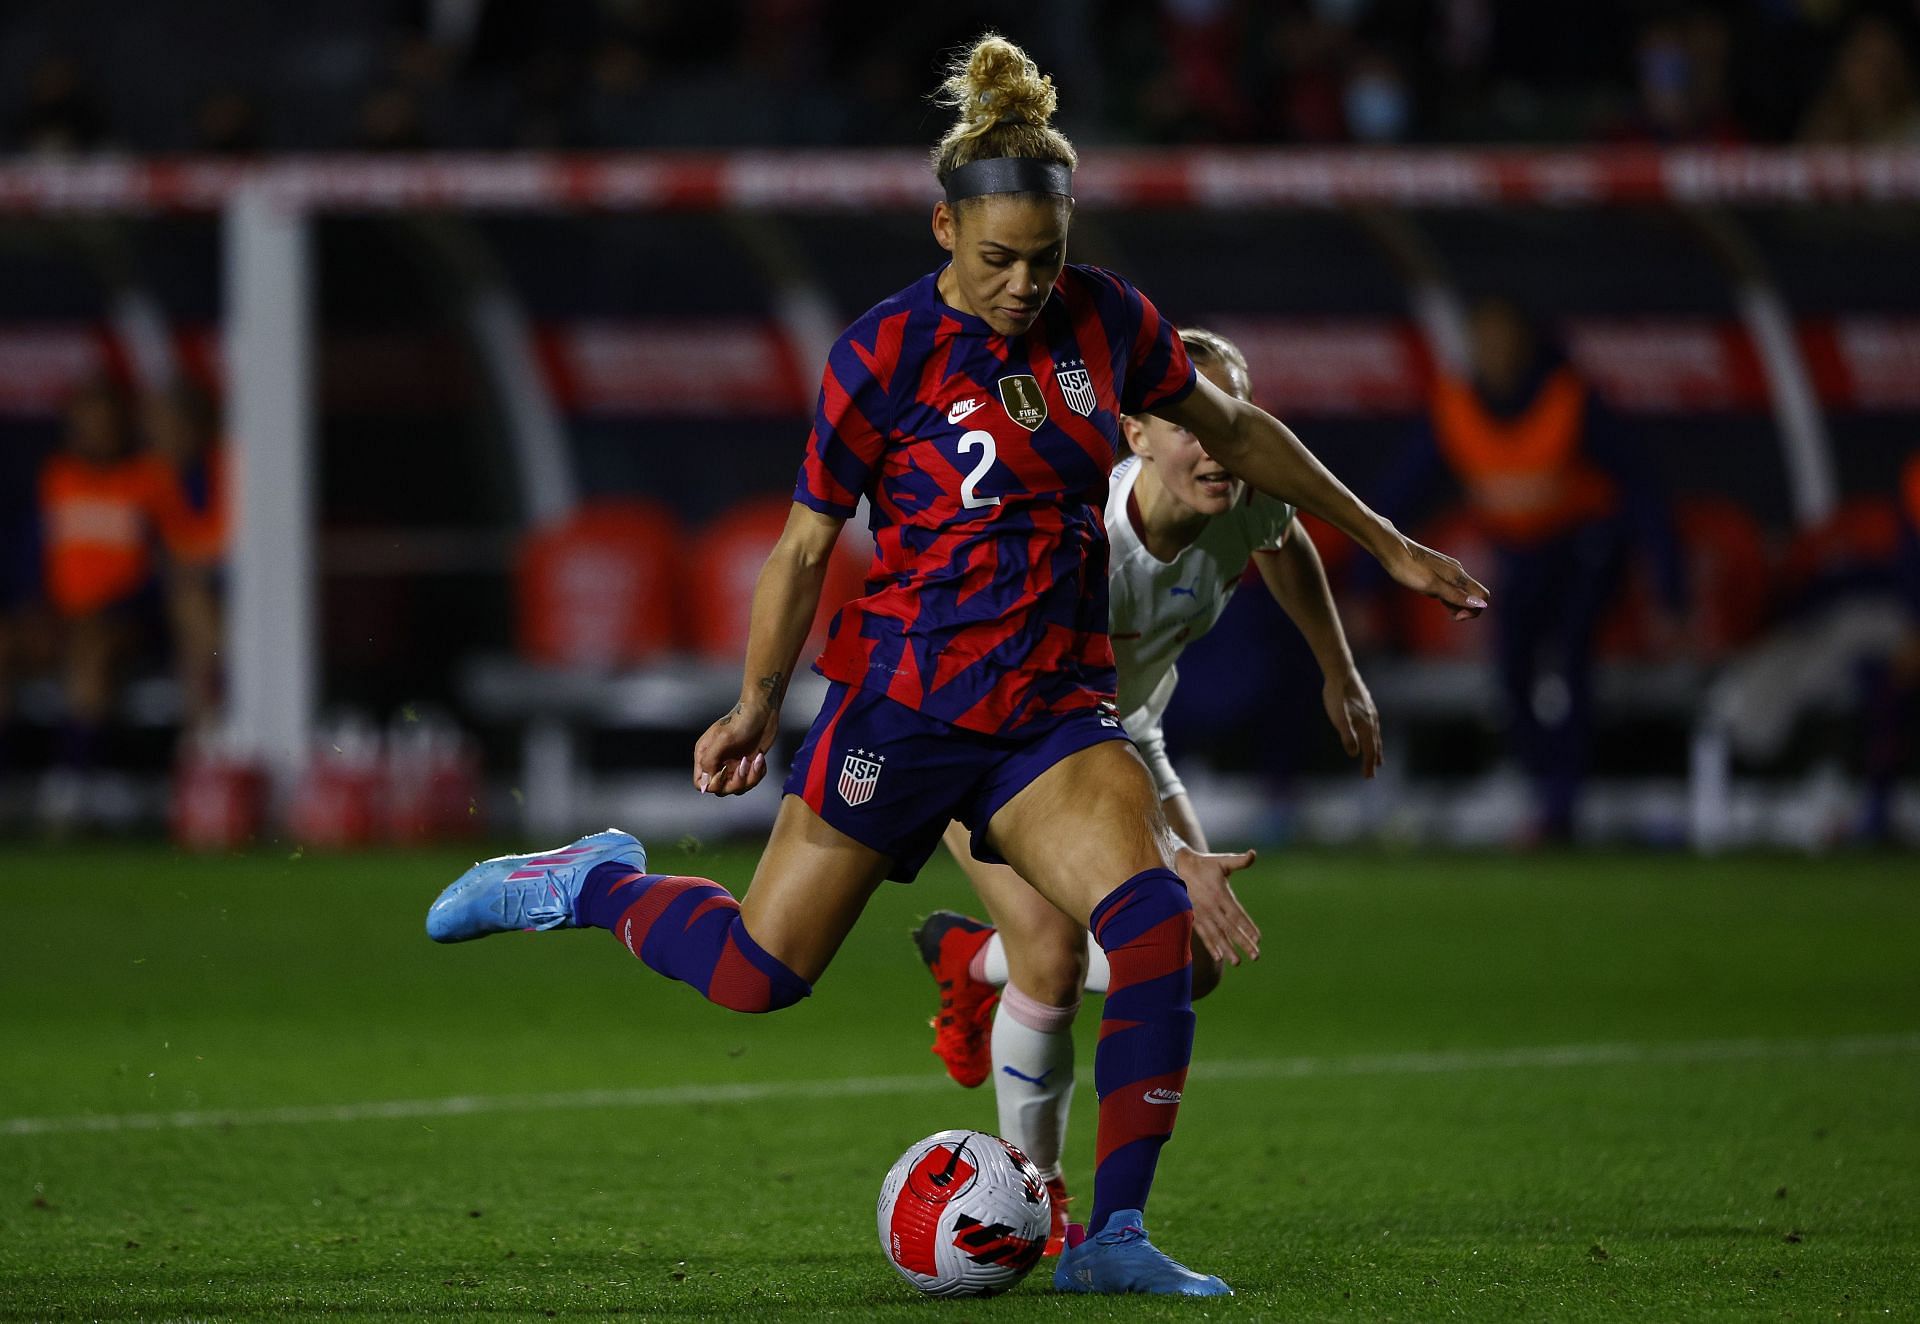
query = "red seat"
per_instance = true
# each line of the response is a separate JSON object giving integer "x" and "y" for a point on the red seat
{"x": 724, "y": 562}
{"x": 1729, "y": 584}
{"x": 600, "y": 587}
{"x": 1729, "y": 573}
{"x": 1863, "y": 534}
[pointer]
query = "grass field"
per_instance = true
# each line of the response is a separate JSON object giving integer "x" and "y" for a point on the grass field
{"x": 1550, "y": 1088}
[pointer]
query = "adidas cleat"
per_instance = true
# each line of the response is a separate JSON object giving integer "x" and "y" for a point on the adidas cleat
{"x": 947, "y": 943}
{"x": 536, "y": 891}
{"x": 1119, "y": 1259}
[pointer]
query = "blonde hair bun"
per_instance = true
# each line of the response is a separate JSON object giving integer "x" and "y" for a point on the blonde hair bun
{"x": 1005, "y": 107}
{"x": 998, "y": 81}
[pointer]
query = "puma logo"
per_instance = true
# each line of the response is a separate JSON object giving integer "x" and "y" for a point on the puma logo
{"x": 1039, "y": 1082}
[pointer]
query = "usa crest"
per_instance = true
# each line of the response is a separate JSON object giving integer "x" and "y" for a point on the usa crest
{"x": 859, "y": 776}
{"x": 1076, "y": 384}
{"x": 1020, "y": 395}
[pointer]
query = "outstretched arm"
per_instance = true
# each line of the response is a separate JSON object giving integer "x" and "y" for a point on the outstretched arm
{"x": 1258, "y": 447}
{"x": 731, "y": 756}
{"x": 1298, "y": 582}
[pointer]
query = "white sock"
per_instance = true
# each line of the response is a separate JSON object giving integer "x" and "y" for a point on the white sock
{"x": 990, "y": 965}
{"x": 1033, "y": 1075}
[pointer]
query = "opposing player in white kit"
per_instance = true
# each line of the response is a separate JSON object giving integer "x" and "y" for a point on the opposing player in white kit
{"x": 1182, "y": 531}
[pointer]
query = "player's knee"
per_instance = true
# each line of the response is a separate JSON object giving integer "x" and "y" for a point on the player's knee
{"x": 1151, "y": 907}
{"x": 1058, "y": 981}
{"x": 1047, "y": 957}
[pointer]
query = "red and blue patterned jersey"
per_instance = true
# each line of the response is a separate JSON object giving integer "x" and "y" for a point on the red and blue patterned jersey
{"x": 985, "y": 460}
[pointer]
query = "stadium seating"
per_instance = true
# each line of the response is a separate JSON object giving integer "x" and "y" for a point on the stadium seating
{"x": 723, "y": 562}
{"x": 600, "y": 589}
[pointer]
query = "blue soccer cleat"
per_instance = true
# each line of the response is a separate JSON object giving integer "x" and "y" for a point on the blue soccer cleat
{"x": 1119, "y": 1258}
{"x": 537, "y": 891}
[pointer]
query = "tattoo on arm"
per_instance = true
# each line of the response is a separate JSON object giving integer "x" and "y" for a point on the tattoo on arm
{"x": 774, "y": 687}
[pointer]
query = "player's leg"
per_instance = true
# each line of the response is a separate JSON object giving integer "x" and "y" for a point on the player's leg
{"x": 764, "y": 951}
{"x": 811, "y": 884}
{"x": 969, "y": 960}
{"x": 760, "y": 955}
{"x": 953, "y": 947}
{"x": 1089, "y": 835}
{"x": 991, "y": 964}
{"x": 1030, "y": 1046}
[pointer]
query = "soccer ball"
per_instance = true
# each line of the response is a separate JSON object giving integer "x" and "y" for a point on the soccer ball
{"x": 963, "y": 1213}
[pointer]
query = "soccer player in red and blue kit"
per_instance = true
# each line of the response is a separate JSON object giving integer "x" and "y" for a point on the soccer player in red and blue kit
{"x": 978, "y": 411}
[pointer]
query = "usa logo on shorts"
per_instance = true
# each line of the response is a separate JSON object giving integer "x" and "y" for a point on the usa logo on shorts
{"x": 859, "y": 775}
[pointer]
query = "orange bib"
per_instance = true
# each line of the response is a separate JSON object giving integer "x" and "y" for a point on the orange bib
{"x": 1525, "y": 478}
{"x": 99, "y": 522}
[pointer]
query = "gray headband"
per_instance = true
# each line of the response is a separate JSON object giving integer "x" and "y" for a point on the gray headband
{"x": 1009, "y": 174}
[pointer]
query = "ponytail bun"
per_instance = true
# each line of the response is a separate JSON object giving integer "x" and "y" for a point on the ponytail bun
{"x": 1005, "y": 107}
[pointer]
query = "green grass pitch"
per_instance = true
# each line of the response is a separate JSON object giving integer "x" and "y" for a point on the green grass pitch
{"x": 1457, "y": 1087}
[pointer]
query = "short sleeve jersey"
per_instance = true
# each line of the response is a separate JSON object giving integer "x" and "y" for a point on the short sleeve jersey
{"x": 985, "y": 461}
{"x": 1159, "y": 607}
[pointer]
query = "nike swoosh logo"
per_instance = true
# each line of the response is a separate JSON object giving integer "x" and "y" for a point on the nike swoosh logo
{"x": 959, "y": 411}
{"x": 1039, "y": 1082}
{"x": 1162, "y": 1096}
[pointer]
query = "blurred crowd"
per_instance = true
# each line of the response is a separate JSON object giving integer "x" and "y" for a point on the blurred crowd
{"x": 112, "y": 562}
{"x": 601, "y": 74}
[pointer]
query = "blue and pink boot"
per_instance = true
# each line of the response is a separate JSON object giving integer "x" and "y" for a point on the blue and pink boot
{"x": 537, "y": 891}
{"x": 1119, "y": 1259}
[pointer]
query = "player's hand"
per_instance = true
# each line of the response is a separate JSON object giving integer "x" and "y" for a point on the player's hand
{"x": 1220, "y": 922}
{"x": 1355, "y": 720}
{"x": 1438, "y": 576}
{"x": 731, "y": 758}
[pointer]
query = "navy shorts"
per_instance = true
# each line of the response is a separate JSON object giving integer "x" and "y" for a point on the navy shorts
{"x": 893, "y": 778}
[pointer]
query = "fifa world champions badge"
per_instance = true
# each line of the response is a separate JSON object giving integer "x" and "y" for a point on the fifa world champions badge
{"x": 1020, "y": 395}
{"x": 859, "y": 776}
{"x": 1076, "y": 385}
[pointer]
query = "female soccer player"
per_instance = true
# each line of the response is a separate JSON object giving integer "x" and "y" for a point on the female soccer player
{"x": 978, "y": 409}
{"x": 1183, "y": 531}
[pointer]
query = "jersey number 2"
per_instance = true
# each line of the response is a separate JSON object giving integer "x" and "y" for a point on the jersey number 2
{"x": 984, "y": 440}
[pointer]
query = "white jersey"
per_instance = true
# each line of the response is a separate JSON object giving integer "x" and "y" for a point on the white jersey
{"x": 1156, "y": 608}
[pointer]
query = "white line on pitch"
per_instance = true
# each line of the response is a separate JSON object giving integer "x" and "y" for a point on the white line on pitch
{"x": 1285, "y": 1068}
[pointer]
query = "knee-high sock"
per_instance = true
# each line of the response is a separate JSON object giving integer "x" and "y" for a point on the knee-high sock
{"x": 688, "y": 929}
{"x": 1033, "y": 1075}
{"x": 1145, "y": 926}
{"x": 989, "y": 965}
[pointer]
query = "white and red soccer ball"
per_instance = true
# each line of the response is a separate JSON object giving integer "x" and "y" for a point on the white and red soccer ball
{"x": 963, "y": 1213}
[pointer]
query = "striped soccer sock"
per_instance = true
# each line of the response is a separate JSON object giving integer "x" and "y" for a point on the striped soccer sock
{"x": 688, "y": 929}
{"x": 1145, "y": 926}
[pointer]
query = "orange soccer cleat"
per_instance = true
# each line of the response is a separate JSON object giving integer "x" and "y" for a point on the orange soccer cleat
{"x": 1057, "y": 1234}
{"x": 948, "y": 943}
